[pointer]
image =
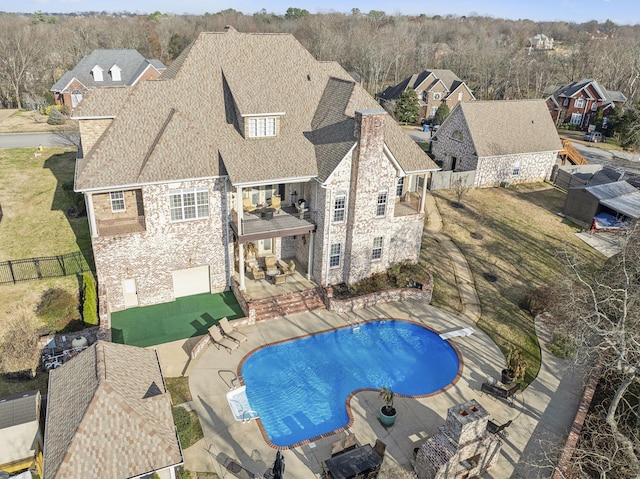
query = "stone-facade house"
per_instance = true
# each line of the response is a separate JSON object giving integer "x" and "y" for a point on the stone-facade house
{"x": 101, "y": 68}
{"x": 109, "y": 414}
{"x": 580, "y": 103}
{"x": 540, "y": 42}
{"x": 177, "y": 180}
{"x": 433, "y": 88}
{"x": 509, "y": 141}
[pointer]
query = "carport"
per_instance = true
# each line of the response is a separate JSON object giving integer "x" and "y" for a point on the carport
{"x": 619, "y": 199}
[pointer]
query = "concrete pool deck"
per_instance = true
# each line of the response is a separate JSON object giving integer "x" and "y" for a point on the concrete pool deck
{"x": 542, "y": 414}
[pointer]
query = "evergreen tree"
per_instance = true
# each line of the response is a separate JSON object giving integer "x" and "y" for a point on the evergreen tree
{"x": 441, "y": 114}
{"x": 407, "y": 107}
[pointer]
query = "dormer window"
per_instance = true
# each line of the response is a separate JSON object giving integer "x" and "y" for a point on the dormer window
{"x": 262, "y": 127}
{"x": 97, "y": 73}
{"x": 115, "y": 73}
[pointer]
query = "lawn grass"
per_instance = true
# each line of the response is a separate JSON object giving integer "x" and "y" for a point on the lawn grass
{"x": 179, "y": 389}
{"x": 520, "y": 238}
{"x": 188, "y": 426}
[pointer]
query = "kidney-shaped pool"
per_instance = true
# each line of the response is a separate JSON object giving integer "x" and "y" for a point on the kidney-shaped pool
{"x": 300, "y": 387}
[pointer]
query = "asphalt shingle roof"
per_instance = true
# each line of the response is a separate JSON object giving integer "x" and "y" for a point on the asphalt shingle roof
{"x": 187, "y": 124}
{"x": 130, "y": 62}
{"x": 501, "y": 127}
{"x": 102, "y": 102}
{"x": 109, "y": 415}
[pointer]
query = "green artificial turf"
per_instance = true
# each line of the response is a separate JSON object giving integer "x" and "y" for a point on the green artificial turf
{"x": 183, "y": 318}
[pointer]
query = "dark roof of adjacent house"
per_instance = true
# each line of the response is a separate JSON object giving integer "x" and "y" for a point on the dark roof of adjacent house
{"x": 109, "y": 415}
{"x": 19, "y": 426}
{"x": 447, "y": 77}
{"x": 131, "y": 63}
{"x": 187, "y": 123}
{"x": 571, "y": 89}
{"x": 507, "y": 127}
{"x": 19, "y": 409}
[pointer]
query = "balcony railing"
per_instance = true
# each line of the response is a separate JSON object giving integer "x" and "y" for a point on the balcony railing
{"x": 286, "y": 222}
{"x": 121, "y": 226}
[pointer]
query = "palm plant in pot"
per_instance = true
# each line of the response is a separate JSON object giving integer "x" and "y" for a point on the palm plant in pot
{"x": 388, "y": 413}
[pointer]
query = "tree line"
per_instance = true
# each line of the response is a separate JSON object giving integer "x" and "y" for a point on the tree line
{"x": 491, "y": 55}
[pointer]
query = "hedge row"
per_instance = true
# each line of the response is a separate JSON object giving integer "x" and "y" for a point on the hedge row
{"x": 89, "y": 300}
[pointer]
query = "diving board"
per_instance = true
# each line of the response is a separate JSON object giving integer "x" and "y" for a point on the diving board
{"x": 239, "y": 405}
{"x": 457, "y": 332}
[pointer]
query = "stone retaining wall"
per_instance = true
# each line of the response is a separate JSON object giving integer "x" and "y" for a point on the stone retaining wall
{"x": 420, "y": 295}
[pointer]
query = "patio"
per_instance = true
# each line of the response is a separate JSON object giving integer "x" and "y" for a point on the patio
{"x": 229, "y": 443}
{"x": 183, "y": 318}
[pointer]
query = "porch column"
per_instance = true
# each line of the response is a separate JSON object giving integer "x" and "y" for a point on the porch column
{"x": 239, "y": 212}
{"x": 88, "y": 199}
{"x": 424, "y": 192}
{"x": 312, "y": 242}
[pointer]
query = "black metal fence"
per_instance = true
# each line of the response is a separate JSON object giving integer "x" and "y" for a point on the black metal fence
{"x": 45, "y": 267}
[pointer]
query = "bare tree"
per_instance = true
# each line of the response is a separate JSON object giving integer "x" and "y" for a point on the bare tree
{"x": 600, "y": 310}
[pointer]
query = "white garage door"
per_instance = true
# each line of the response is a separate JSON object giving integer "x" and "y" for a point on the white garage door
{"x": 190, "y": 281}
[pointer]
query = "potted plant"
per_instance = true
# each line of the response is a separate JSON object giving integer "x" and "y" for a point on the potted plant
{"x": 515, "y": 366}
{"x": 387, "y": 412}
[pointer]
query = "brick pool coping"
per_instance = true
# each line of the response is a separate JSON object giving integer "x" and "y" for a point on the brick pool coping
{"x": 348, "y": 401}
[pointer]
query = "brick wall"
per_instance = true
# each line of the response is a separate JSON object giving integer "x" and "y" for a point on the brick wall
{"x": 149, "y": 257}
{"x": 132, "y": 201}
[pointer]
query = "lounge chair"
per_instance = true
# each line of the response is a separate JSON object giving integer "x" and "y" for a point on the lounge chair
{"x": 231, "y": 332}
{"x": 276, "y": 203}
{"x": 257, "y": 272}
{"x": 219, "y": 340}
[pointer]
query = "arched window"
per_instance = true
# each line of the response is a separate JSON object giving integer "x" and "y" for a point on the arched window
{"x": 457, "y": 135}
{"x": 76, "y": 98}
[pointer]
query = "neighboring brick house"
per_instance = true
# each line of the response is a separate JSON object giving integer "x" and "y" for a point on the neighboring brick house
{"x": 20, "y": 436}
{"x": 579, "y": 103}
{"x": 433, "y": 88}
{"x": 109, "y": 414}
{"x": 104, "y": 68}
{"x": 174, "y": 184}
{"x": 509, "y": 141}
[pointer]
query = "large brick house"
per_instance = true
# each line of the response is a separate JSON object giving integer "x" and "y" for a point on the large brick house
{"x": 433, "y": 88}
{"x": 509, "y": 141}
{"x": 176, "y": 180}
{"x": 579, "y": 103}
{"x": 102, "y": 68}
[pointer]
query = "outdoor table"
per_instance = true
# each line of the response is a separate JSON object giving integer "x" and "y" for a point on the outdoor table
{"x": 267, "y": 213}
{"x": 272, "y": 273}
{"x": 360, "y": 460}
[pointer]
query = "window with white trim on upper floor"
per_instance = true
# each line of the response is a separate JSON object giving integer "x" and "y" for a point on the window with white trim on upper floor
{"x": 117, "y": 201}
{"x": 189, "y": 204}
{"x": 339, "y": 207}
{"x": 376, "y": 252}
{"x": 459, "y": 96}
{"x": 381, "y": 206}
{"x": 437, "y": 95}
{"x": 335, "y": 255}
{"x": 579, "y": 103}
{"x": 262, "y": 127}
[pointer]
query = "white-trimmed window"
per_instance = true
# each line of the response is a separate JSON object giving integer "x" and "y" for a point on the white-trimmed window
{"x": 460, "y": 96}
{"x": 381, "y": 207}
{"x": 434, "y": 109}
{"x": 576, "y": 118}
{"x": 262, "y": 127}
{"x": 117, "y": 201}
{"x": 334, "y": 255}
{"x": 565, "y": 102}
{"x": 594, "y": 106}
{"x": 516, "y": 168}
{"x": 376, "y": 252}
{"x": 400, "y": 186}
{"x": 189, "y": 204}
{"x": 579, "y": 103}
{"x": 457, "y": 135}
{"x": 339, "y": 207}
{"x": 437, "y": 95}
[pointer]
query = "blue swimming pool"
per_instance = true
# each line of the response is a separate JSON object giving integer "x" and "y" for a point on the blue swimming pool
{"x": 300, "y": 387}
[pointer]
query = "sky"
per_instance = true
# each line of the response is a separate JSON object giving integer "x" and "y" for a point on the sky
{"x": 578, "y": 11}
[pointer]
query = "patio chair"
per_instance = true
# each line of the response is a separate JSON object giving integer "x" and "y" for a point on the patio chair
{"x": 257, "y": 272}
{"x": 221, "y": 341}
{"x": 291, "y": 268}
{"x": 231, "y": 332}
{"x": 270, "y": 263}
{"x": 380, "y": 447}
{"x": 280, "y": 278}
{"x": 247, "y": 205}
{"x": 276, "y": 203}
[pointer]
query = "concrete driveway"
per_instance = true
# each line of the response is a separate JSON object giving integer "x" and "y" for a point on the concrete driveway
{"x": 545, "y": 410}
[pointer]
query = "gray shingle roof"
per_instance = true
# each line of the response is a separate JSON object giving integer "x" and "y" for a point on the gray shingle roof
{"x": 501, "y": 127}
{"x": 186, "y": 124}
{"x": 568, "y": 91}
{"x": 19, "y": 409}
{"x": 130, "y": 62}
{"x": 109, "y": 415}
{"x": 448, "y": 78}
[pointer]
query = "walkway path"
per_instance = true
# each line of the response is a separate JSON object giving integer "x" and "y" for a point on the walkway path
{"x": 464, "y": 279}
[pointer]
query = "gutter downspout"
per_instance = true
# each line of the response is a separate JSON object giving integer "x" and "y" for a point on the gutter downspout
{"x": 227, "y": 236}
{"x": 239, "y": 212}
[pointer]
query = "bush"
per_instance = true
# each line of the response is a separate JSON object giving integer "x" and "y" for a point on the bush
{"x": 50, "y": 108}
{"x": 537, "y": 300}
{"x": 562, "y": 346}
{"x": 89, "y": 300}
{"x": 400, "y": 275}
{"x": 55, "y": 117}
{"x": 58, "y": 308}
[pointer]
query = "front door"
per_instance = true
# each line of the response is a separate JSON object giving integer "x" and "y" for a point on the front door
{"x": 130, "y": 293}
